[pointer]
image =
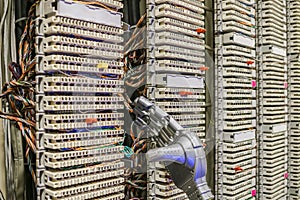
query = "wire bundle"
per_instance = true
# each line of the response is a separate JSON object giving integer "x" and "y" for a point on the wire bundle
{"x": 19, "y": 93}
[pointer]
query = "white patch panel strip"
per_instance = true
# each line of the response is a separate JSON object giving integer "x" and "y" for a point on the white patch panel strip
{"x": 71, "y": 121}
{"x": 273, "y": 84}
{"x": 275, "y": 110}
{"x": 240, "y": 156}
{"x": 88, "y": 85}
{"x": 242, "y": 196}
{"x": 160, "y": 12}
{"x": 238, "y": 114}
{"x": 198, "y": 130}
{"x": 60, "y": 44}
{"x": 163, "y": 193}
{"x": 273, "y": 53}
{"x": 90, "y": 156}
{"x": 239, "y": 72}
{"x": 80, "y": 63}
{"x": 239, "y": 125}
{"x": 274, "y": 75}
{"x": 176, "y": 93}
{"x": 239, "y": 188}
{"x": 271, "y": 31}
{"x": 70, "y": 9}
{"x": 248, "y": 167}
{"x": 271, "y": 40}
{"x": 179, "y": 10}
{"x": 273, "y": 137}
{"x": 236, "y": 93}
{"x": 266, "y": 5}
{"x": 98, "y": 175}
{"x": 174, "y": 53}
{"x": 276, "y": 195}
{"x": 237, "y": 83}
{"x": 190, "y": 54}
{"x": 178, "y": 66}
{"x": 281, "y": 168}
{"x": 182, "y": 106}
{"x": 194, "y": 5}
{"x": 234, "y": 15}
{"x": 81, "y": 103}
{"x": 231, "y": 26}
{"x": 230, "y": 180}
{"x": 79, "y": 24}
{"x": 165, "y": 25}
{"x": 268, "y": 66}
{"x": 236, "y": 147}
{"x": 267, "y": 22}
{"x": 238, "y": 6}
{"x": 181, "y": 24}
{"x": 268, "y": 94}
{"x": 95, "y": 35}
{"x": 237, "y": 61}
{"x": 275, "y": 119}
{"x": 54, "y": 144}
{"x": 273, "y": 14}
{"x": 238, "y": 104}
{"x": 238, "y": 51}
{"x": 91, "y": 190}
{"x": 170, "y": 38}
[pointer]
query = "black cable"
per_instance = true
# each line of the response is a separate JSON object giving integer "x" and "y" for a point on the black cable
{"x": 1, "y": 196}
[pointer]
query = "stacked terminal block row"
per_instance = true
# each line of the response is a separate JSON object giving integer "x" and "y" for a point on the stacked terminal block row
{"x": 236, "y": 100}
{"x": 176, "y": 44}
{"x": 273, "y": 109}
{"x": 294, "y": 69}
{"x": 79, "y": 111}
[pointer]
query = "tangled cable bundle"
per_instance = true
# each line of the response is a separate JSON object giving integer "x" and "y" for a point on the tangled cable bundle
{"x": 19, "y": 93}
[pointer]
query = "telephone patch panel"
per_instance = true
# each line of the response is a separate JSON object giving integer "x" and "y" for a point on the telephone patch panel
{"x": 247, "y": 166}
{"x": 176, "y": 54}
{"x": 273, "y": 32}
{"x": 234, "y": 15}
{"x": 177, "y": 93}
{"x": 274, "y": 110}
{"x": 165, "y": 25}
{"x": 88, "y": 85}
{"x": 50, "y": 144}
{"x": 237, "y": 189}
{"x": 178, "y": 66}
{"x": 192, "y": 5}
{"x": 237, "y": 104}
{"x": 239, "y": 125}
{"x": 242, "y": 196}
{"x": 273, "y": 84}
{"x": 237, "y": 61}
{"x": 79, "y": 24}
{"x": 87, "y": 178}
{"x": 239, "y": 51}
{"x": 176, "y": 197}
{"x": 274, "y": 41}
{"x": 179, "y": 81}
{"x": 241, "y": 114}
{"x": 179, "y": 10}
{"x": 66, "y": 30}
{"x": 161, "y": 12}
{"x": 189, "y": 53}
{"x": 274, "y": 76}
{"x": 178, "y": 23}
{"x": 275, "y": 119}
{"x": 268, "y": 101}
{"x": 237, "y": 82}
{"x": 273, "y": 14}
{"x": 267, "y": 94}
{"x": 71, "y": 121}
{"x": 230, "y": 180}
{"x": 231, "y": 26}
{"x": 276, "y": 195}
{"x": 170, "y": 38}
{"x": 67, "y": 103}
{"x": 238, "y": 6}
{"x": 271, "y": 23}
{"x": 83, "y": 161}
{"x": 82, "y": 191}
{"x": 236, "y": 93}
{"x": 271, "y": 5}
{"x": 235, "y": 147}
